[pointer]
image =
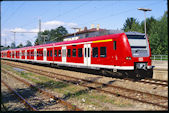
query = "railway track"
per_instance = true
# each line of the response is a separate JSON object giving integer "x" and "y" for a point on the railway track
{"x": 156, "y": 82}
{"x": 23, "y": 100}
{"x": 143, "y": 97}
{"x": 67, "y": 105}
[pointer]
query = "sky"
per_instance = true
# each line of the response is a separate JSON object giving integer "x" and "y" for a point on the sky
{"x": 23, "y": 16}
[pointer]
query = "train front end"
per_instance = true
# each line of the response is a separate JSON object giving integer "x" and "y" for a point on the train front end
{"x": 141, "y": 53}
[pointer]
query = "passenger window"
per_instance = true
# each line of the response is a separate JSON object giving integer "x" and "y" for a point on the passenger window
{"x": 88, "y": 52}
{"x": 69, "y": 53}
{"x": 80, "y": 52}
{"x": 37, "y": 53}
{"x": 114, "y": 43}
{"x": 59, "y": 53}
{"x": 51, "y": 53}
{"x": 55, "y": 53}
{"x": 103, "y": 51}
{"x": 40, "y": 54}
{"x": 85, "y": 52}
{"x": 47, "y": 53}
{"x": 95, "y": 52}
{"x": 74, "y": 52}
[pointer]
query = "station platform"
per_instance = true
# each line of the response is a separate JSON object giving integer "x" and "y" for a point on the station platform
{"x": 160, "y": 70}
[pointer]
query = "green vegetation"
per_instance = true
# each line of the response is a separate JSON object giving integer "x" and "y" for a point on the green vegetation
{"x": 157, "y": 31}
{"x": 53, "y": 35}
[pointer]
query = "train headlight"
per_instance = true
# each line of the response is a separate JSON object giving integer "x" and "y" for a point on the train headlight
{"x": 128, "y": 58}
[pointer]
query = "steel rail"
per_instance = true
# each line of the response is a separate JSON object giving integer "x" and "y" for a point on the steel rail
{"x": 67, "y": 104}
{"x": 160, "y": 69}
{"x": 156, "y": 80}
{"x": 46, "y": 73}
{"x": 20, "y": 97}
{"x": 149, "y": 82}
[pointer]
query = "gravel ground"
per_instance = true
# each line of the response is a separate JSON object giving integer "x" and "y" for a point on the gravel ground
{"x": 10, "y": 101}
{"x": 39, "y": 101}
{"x": 119, "y": 82}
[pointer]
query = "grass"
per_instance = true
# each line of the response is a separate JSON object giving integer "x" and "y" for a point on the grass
{"x": 98, "y": 99}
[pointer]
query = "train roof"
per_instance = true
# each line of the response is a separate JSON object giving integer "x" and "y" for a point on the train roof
{"x": 69, "y": 42}
{"x": 81, "y": 40}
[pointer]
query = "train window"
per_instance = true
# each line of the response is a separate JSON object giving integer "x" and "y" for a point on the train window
{"x": 103, "y": 51}
{"x": 74, "y": 52}
{"x": 69, "y": 53}
{"x": 38, "y": 53}
{"x": 51, "y": 53}
{"x": 42, "y": 53}
{"x": 32, "y": 53}
{"x": 80, "y": 52}
{"x": 55, "y": 53}
{"x": 59, "y": 53}
{"x": 47, "y": 53}
{"x": 88, "y": 52}
{"x": 95, "y": 52}
{"x": 85, "y": 52}
{"x": 114, "y": 43}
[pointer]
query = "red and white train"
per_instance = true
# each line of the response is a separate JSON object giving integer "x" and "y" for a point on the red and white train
{"x": 114, "y": 52}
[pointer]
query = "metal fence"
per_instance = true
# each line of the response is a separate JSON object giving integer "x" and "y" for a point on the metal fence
{"x": 159, "y": 57}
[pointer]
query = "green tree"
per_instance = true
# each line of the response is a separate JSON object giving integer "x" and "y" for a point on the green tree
{"x": 131, "y": 24}
{"x": 13, "y": 45}
{"x": 20, "y": 45}
{"x": 150, "y": 22}
{"x": 5, "y": 48}
{"x": 28, "y": 43}
{"x": 54, "y": 35}
{"x": 159, "y": 36}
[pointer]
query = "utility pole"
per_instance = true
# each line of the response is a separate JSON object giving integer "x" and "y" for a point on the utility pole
{"x": 39, "y": 28}
{"x": 14, "y": 36}
{"x": 44, "y": 36}
{"x": 143, "y": 9}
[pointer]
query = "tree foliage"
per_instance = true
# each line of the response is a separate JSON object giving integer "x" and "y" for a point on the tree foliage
{"x": 53, "y": 35}
{"x": 157, "y": 31}
{"x": 28, "y": 43}
{"x": 20, "y": 45}
{"x": 131, "y": 24}
{"x": 13, "y": 45}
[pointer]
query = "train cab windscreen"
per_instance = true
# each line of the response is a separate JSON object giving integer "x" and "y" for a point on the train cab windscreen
{"x": 139, "y": 45}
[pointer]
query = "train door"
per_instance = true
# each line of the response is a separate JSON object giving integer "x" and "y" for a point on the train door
{"x": 87, "y": 54}
{"x": 64, "y": 54}
{"x": 44, "y": 54}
